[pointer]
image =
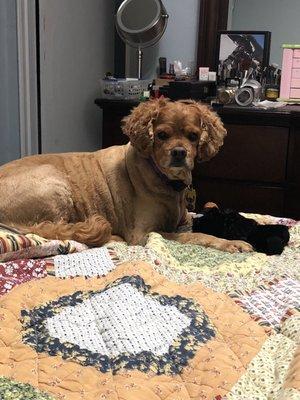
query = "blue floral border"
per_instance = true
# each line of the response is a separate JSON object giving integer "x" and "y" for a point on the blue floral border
{"x": 199, "y": 331}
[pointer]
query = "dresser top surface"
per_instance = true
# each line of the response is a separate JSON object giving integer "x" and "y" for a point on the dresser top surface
{"x": 227, "y": 108}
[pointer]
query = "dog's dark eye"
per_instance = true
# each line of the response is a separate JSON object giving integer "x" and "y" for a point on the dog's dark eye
{"x": 193, "y": 136}
{"x": 162, "y": 135}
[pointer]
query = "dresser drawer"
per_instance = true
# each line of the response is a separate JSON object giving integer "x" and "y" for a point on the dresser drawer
{"x": 250, "y": 153}
{"x": 295, "y": 94}
{"x": 296, "y": 73}
{"x": 292, "y": 204}
{"x": 296, "y": 62}
{"x": 296, "y": 53}
{"x": 240, "y": 197}
{"x": 295, "y": 83}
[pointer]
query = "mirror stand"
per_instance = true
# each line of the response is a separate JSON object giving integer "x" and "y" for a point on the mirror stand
{"x": 140, "y": 61}
{"x": 141, "y": 24}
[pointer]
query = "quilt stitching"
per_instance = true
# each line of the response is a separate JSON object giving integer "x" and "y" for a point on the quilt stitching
{"x": 224, "y": 367}
{"x": 180, "y": 349}
{"x": 270, "y": 304}
{"x": 94, "y": 262}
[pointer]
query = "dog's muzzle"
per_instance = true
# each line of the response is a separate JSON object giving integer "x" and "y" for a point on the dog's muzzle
{"x": 178, "y": 156}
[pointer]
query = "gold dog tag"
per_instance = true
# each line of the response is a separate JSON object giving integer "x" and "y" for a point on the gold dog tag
{"x": 190, "y": 198}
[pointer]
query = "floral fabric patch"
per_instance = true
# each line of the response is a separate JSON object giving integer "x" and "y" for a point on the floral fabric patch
{"x": 16, "y": 272}
{"x": 11, "y": 390}
{"x": 93, "y": 262}
{"x": 270, "y": 304}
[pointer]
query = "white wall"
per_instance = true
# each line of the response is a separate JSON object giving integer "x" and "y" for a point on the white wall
{"x": 77, "y": 48}
{"x": 178, "y": 42}
{"x": 9, "y": 96}
{"x": 281, "y": 17}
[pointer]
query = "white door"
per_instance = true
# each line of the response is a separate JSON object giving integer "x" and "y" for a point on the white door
{"x": 76, "y": 49}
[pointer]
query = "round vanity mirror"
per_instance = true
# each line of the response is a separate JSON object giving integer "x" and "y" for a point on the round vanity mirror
{"x": 141, "y": 24}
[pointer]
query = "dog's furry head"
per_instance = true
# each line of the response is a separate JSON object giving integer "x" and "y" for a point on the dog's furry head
{"x": 174, "y": 134}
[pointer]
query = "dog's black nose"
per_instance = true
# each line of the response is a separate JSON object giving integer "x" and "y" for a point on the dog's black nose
{"x": 178, "y": 153}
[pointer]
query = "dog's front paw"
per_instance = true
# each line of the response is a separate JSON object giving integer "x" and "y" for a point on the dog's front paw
{"x": 235, "y": 246}
{"x": 138, "y": 239}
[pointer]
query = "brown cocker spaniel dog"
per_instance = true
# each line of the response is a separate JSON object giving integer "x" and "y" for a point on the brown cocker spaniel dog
{"x": 126, "y": 191}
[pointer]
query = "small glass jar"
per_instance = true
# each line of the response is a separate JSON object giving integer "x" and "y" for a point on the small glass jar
{"x": 272, "y": 93}
{"x": 226, "y": 95}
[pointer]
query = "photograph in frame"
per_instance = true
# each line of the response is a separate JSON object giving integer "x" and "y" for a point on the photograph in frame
{"x": 238, "y": 51}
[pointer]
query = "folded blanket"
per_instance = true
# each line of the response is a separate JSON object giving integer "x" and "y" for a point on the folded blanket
{"x": 14, "y": 245}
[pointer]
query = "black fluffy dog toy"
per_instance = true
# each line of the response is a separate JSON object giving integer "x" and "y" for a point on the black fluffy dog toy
{"x": 228, "y": 224}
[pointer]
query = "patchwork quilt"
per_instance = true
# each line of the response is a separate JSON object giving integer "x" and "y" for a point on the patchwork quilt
{"x": 160, "y": 322}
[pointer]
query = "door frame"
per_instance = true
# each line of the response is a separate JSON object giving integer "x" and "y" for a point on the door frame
{"x": 212, "y": 18}
{"x": 27, "y": 36}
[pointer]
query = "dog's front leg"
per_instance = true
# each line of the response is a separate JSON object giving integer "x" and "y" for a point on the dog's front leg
{"x": 231, "y": 246}
{"x": 137, "y": 237}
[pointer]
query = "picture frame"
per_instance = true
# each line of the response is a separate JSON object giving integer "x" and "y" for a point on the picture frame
{"x": 238, "y": 51}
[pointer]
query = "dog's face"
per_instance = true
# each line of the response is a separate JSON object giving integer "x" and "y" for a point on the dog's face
{"x": 174, "y": 134}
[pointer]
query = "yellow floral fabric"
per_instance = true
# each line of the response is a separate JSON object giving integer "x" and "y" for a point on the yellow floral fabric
{"x": 260, "y": 382}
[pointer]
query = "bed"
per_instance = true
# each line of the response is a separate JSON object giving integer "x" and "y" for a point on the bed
{"x": 156, "y": 322}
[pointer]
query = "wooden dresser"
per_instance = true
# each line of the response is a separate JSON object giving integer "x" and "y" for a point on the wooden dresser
{"x": 257, "y": 169}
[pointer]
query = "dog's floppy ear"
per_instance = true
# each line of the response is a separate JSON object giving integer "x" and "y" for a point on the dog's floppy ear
{"x": 138, "y": 126}
{"x": 213, "y": 131}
